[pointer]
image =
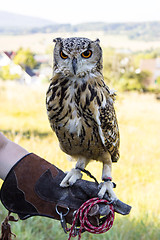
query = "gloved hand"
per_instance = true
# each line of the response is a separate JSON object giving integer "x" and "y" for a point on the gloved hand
{"x": 32, "y": 188}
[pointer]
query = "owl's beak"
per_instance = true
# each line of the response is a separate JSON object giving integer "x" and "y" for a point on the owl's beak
{"x": 74, "y": 65}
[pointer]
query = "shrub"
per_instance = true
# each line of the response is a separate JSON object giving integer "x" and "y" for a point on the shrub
{"x": 5, "y": 74}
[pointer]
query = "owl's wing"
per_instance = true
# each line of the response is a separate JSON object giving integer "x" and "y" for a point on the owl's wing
{"x": 109, "y": 128}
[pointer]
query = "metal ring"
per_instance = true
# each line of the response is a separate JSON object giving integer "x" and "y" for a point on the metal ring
{"x": 59, "y": 213}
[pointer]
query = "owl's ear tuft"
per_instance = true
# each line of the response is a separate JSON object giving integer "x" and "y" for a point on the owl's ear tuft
{"x": 57, "y": 40}
{"x": 97, "y": 40}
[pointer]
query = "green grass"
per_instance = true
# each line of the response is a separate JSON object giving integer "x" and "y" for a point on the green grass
{"x": 23, "y": 119}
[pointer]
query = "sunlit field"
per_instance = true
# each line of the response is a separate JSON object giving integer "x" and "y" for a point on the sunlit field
{"x": 39, "y": 42}
{"x": 23, "y": 119}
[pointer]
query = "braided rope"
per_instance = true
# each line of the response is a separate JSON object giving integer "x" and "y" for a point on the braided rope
{"x": 82, "y": 214}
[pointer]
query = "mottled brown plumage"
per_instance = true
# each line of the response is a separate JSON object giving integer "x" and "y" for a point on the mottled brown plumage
{"x": 80, "y": 108}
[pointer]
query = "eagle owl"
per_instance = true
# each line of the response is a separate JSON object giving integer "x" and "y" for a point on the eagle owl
{"x": 80, "y": 109}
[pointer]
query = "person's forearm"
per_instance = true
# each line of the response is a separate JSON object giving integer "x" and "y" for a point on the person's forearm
{"x": 10, "y": 153}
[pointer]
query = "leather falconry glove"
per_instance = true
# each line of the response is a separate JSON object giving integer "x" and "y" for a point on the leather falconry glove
{"x": 32, "y": 188}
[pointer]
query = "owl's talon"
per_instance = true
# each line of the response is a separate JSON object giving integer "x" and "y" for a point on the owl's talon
{"x": 71, "y": 178}
{"x": 107, "y": 187}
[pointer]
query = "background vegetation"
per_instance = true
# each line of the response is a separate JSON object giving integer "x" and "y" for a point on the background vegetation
{"x": 121, "y": 67}
{"x": 139, "y": 30}
{"x": 25, "y": 58}
{"x": 24, "y": 120}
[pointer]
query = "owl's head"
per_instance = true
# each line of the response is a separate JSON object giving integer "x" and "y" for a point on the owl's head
{"x": 77, "y": 56}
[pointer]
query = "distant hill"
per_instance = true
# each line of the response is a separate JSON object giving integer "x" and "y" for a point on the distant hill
{"x": 18, "y": 24}
{"x": 147, "y": 31}
{"x": 134, "y": 30}
{"x": 11, "y": 20}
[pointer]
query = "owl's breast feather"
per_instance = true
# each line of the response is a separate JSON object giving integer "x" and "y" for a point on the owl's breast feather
{"x": 74, "y": 125}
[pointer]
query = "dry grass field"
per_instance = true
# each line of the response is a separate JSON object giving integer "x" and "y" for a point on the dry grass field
{"x": 137, "y": 174}
{"x": 39, "y": 42}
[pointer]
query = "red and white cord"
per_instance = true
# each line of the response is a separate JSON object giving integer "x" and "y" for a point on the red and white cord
{"x": 82, "y": 216}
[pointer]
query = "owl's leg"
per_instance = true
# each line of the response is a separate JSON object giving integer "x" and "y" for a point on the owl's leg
{"x": 75, "y": 173}
{"x": 107, "y": 185}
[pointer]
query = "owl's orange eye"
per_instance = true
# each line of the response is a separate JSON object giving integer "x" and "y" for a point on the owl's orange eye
{"x": 63, "y": 55}
{"x": 86, "y": 54}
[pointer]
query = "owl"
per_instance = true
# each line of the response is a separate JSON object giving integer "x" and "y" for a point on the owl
{"x": 80, "y": 108}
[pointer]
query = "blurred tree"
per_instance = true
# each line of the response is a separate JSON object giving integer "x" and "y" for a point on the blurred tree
{"x": 5, "y": 74}
{"x": 149, "y": 54}
{"x": 116, "y": 63}
{"x": 158, "y": 82}
{"x": 133, "y": 81}
{"x": 25, "y": 58}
